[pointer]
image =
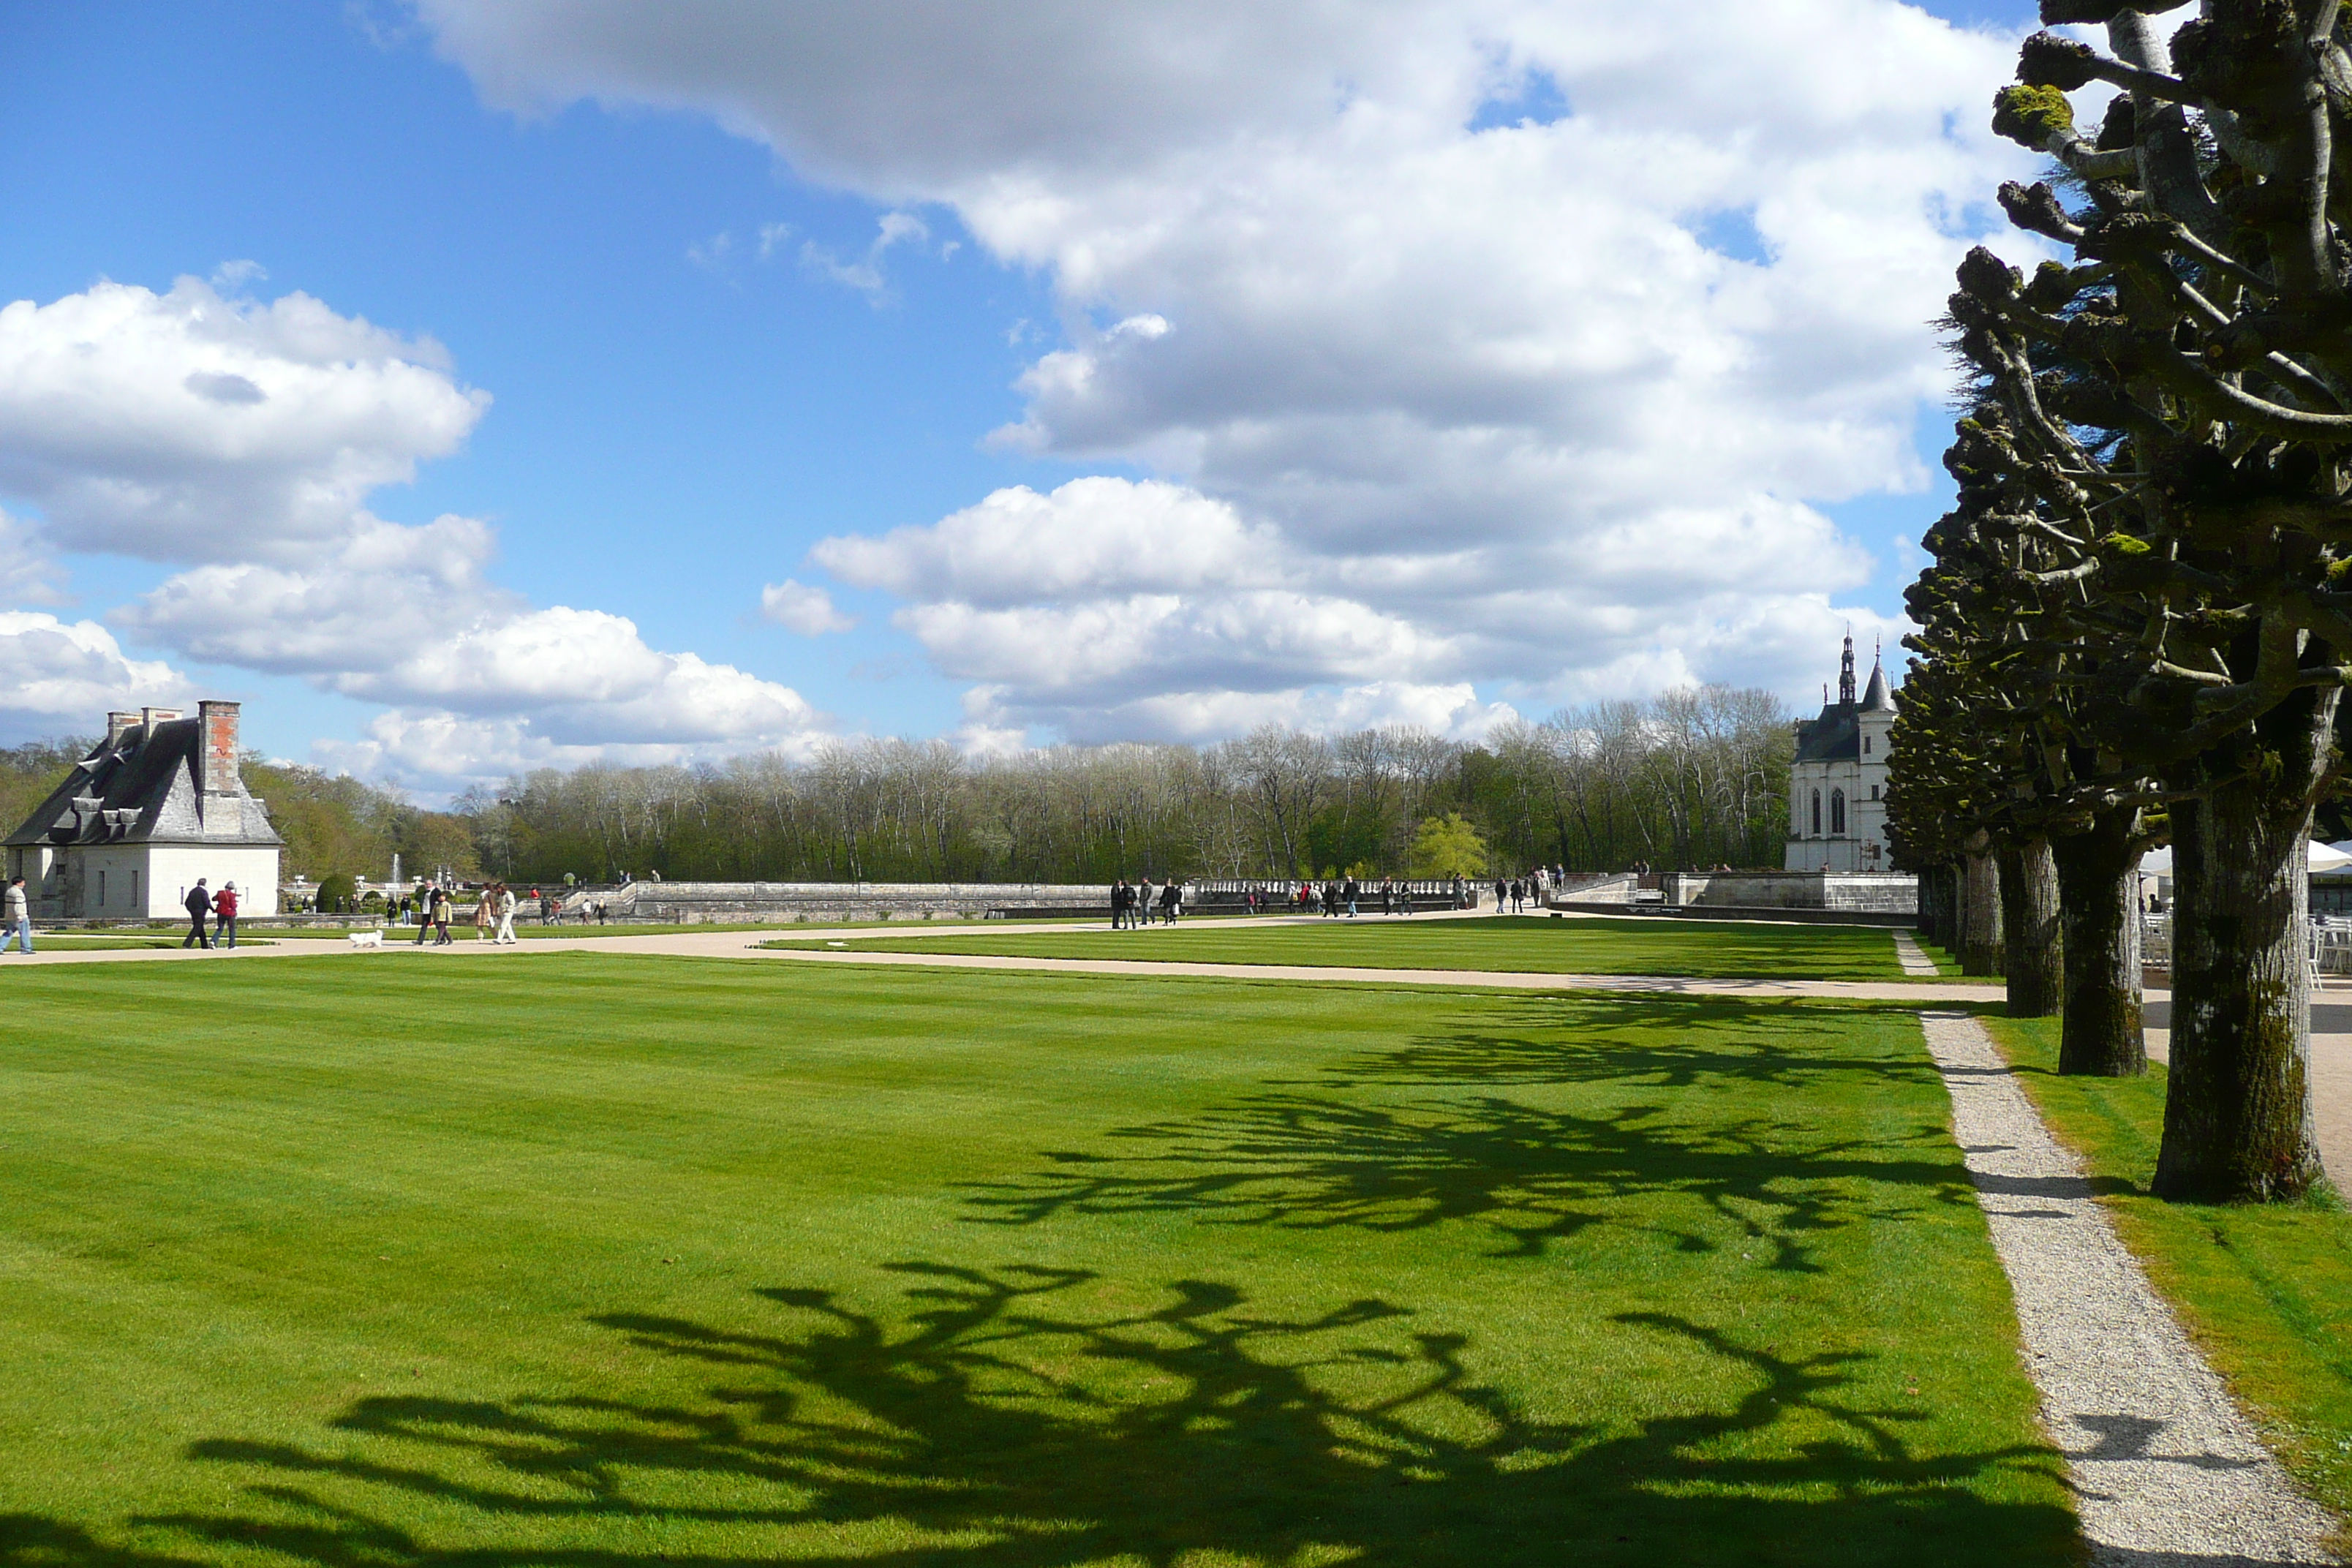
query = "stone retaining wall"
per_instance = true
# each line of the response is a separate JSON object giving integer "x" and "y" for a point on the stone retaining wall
{"x": 1880, "y": 892}
{"x": 737, "y": 903}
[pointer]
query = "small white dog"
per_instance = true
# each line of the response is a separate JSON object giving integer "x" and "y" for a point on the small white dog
{"x": 367, "y": 939}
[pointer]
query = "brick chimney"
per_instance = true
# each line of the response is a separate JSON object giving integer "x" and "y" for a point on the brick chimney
{"x": 117, "y": 726}
{"x": 151, "y": 717}
{"x": 219, "y": 726}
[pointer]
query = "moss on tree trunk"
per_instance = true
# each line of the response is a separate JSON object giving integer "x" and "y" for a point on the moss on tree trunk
{"x": 2238, "y": 1121}
{"x": 2033, "y": 949}
{"x": 2101, "y": 1034}
{"x": 1980, "y": 915}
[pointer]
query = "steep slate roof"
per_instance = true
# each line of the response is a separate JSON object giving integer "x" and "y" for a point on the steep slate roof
{"x": 1877, "y": 698}
{"x": 1833, "y": 737}
{"x": 146, "y": 789}
{"x": 1836, "y": 735}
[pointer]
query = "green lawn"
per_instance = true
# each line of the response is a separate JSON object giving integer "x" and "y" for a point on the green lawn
{"x": 2265, "y": 1289}
{"x": 1705, "y": 949}
{"x": 44, "y": 941}
{"x": 607, "y": 1261}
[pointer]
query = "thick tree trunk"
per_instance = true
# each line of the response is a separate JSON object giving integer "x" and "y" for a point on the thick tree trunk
{"x": 2098, "y": 905}
{"x": 1934, "y": 907}
{"x": 1980, "y": 915}
{"x": 2237, "y": 1111}
{"x": 2032, "y": 947}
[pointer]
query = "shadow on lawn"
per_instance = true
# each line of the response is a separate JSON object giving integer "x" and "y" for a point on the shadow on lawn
{"x": 1534, "y": 1173}
{"x": 996, "y": 1424}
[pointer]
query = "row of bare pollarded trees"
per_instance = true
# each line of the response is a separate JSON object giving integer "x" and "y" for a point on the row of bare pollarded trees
{"x": 2138, "y": 619}
{"x": 1691, "y": 777}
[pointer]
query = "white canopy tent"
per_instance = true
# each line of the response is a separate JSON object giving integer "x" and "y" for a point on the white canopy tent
{"x": 2325, "y": 860}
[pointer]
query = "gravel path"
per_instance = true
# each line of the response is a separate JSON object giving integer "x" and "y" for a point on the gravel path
{"x": 2166, "y": 1469}
{"x": 1908, "y": 955}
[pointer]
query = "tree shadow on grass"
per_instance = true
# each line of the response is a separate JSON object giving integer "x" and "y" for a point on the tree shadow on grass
{"x": 999, "y": 1421}
{"x": 1695, "y": 1161}
{"x": 1666, "y": 1042}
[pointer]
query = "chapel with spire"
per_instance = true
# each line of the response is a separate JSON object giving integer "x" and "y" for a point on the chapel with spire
{"x": 1837, "y": 785}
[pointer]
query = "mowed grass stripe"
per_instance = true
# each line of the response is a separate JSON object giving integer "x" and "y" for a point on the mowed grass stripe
{"x": 620, "y": 1260}
{"x": 1710, "y": 949}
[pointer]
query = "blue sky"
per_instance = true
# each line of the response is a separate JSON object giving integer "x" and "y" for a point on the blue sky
{"x": 677, "y": 418}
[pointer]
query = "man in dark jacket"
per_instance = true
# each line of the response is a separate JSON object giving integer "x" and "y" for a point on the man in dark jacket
{"x": 200, "y": 904}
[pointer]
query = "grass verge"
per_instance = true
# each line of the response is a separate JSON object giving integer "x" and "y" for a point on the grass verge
{"x": 2266, "y": 1290}
{"x": 618, "y": 1261}
{"x": 60, "y": 941}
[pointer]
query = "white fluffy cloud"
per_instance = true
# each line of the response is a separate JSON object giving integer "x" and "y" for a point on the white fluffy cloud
{"x": 59, "y": 676}
{"x": 439, "y": 751}
{"x": 193, "y": 426}
{"x": 27, "y": 575}
{"x": 1442, "y": 394}
{"x": 803, "y": 607}
{"x": 405, "y": 616}
{"x": 241, "y": 440}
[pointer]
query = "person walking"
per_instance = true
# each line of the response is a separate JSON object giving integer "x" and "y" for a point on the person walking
{"x": 1121, "y": 896}
{"x": 486, "y": 904}
{"x": 18, "y": 912}
{"x": 199, "y": 904}
{"x": 1352, "y": 892}
{"x": 1502, "y": 897}
{"x": 424, "y": 910}
{"x": 440, "y": 916}
{"x": 1143, "y": 901}
{"x": 1171, "y": 901}
{"x": 506, "y": 916}
{"x": 224, "y": 917}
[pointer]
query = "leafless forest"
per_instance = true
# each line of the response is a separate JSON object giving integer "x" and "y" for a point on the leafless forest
{"x": 1691, "y": 777}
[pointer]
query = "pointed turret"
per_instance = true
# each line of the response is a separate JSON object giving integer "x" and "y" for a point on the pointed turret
{"x": 1875, "y": 698}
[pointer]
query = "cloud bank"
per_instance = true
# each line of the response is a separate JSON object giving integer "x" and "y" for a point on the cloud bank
{"x": 240, "y": 441}
{"x": 1514, "y": 346}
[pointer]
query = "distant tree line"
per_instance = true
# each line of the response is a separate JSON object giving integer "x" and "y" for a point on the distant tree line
{"x": 1692, "y": 777}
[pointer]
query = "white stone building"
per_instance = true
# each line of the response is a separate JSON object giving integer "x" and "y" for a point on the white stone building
{"x": 157, "y": 804}
{"x": 1837, "y": 786}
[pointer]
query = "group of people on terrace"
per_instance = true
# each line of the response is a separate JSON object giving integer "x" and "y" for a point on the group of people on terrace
{"x": 1132, "y": 906}
{"x": 433, "y": 906}
{"x": 1340, "y": 897}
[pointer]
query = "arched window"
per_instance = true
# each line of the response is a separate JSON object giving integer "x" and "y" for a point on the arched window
{"x": 1817, "y": 813}
{"x": 1837, "y": 814}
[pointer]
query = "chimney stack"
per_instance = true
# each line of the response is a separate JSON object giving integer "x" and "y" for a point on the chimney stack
{"x": 217, "y": 728}
{"x": 117, "y": 726}
{"x": 151, "y": 717}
